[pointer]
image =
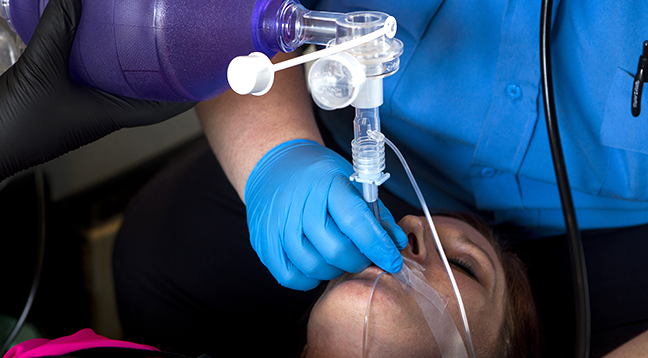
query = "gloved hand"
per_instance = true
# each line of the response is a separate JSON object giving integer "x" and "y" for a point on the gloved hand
{"x": 308, "y": 221}
{"x": 44, "y": 113}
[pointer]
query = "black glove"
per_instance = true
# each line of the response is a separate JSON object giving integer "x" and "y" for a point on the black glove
{"x": 44, "y": 113}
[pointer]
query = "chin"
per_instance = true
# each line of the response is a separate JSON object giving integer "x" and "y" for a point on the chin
{"x": 396, "y": 326}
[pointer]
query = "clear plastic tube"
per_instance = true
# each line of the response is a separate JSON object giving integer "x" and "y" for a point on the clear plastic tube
{"x": 368, "y": 156}
{"x": 366, "y": 319}
{"x": 5, "y": 14}
{"x": 298, "y": 25}
{"x": 389, "y": 29}
{"x": 368, "y": 153}
{"x": 437, "y": 241}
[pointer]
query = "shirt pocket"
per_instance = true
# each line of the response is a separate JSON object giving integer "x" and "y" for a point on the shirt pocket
{"x": 627, "y": 138}
{"x": 412, "y": 16}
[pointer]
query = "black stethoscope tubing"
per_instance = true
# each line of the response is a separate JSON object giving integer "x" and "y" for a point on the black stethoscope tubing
{"x": 579, "y": 271}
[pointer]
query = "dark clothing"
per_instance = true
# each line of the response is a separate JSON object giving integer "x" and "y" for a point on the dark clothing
{"x": 187, "y": 279}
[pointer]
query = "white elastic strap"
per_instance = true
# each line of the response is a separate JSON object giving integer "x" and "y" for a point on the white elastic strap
{"x": 388, "y": 29}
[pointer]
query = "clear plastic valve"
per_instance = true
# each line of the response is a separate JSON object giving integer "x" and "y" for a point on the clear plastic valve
{"x": 336, "y": 81}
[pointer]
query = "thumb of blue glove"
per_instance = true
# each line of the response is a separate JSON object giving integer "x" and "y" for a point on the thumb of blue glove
{"x": 308, "y": 221}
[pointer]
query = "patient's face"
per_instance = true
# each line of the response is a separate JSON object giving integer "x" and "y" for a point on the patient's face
{"x": 397, "y": 325}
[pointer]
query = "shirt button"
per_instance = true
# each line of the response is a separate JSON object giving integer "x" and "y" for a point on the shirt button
{"x": 487, "y": 172}
{"x": 514, "y": 91}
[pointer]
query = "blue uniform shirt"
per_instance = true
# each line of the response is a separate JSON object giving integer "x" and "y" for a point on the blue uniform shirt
{"x": 466, "y": 110}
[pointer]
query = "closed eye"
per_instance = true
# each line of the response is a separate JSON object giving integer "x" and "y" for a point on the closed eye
{"x": 463, "y": 266}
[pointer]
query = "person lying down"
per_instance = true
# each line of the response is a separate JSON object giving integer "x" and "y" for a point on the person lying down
{"x": 402, "y": 322}
{"x": 495, "y": 289}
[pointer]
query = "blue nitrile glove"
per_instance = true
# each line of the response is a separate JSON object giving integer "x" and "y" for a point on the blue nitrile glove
{"x": 308, "y": 221}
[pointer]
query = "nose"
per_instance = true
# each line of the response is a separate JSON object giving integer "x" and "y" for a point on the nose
{"x": 415, "y": 229}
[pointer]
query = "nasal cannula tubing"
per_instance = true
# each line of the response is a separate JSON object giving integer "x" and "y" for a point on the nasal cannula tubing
{"x": 366, "y": 318}
{"x": 437, "y": 241}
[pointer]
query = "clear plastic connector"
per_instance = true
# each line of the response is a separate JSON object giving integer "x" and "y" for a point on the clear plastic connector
{"x": 335, "y": 81}
{"x": 6, "y": 15}
{"x": 379, "y": 57}
{"x": 9, "y": 47}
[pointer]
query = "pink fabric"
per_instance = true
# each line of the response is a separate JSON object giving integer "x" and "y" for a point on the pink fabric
{"x": 85, "y": 338}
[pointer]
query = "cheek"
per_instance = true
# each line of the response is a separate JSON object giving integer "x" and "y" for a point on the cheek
{"x": 399, "y": 330}
{"x": 482, "y": 316}
{"x": 335, "y": 326}
{"x": 333, "y": 323}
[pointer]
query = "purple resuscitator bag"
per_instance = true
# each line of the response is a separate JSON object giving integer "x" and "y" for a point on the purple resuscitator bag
{"x": 164, "y": 50}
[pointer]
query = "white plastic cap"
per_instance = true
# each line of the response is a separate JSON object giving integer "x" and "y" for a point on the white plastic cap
{"x": 250, "y": 74}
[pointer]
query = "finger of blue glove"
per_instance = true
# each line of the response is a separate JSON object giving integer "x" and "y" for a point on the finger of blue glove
{"x": 322, "y": 230}
{"x": 301, "y": 252}
{"x": 355, "y": 220}
{"x": 394, "y": 231}
{"x": 273, "y": 256}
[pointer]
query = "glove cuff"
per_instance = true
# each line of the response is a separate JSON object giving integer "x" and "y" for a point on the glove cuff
{"x": 269, "y": 158}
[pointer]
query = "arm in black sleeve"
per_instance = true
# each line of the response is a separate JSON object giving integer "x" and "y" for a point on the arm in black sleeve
{"x": 44, "y": 113}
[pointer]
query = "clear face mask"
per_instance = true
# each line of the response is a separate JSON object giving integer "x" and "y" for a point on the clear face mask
{"x": 433, "y": 306}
